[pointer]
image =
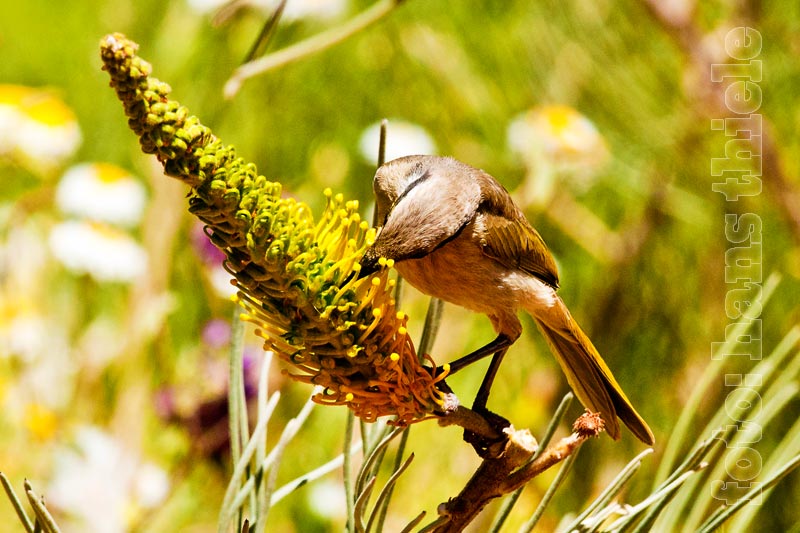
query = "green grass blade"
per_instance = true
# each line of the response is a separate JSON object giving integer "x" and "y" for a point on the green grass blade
{"x": 322, "y": 470}
{"x": 386, "y": 491}
{"x": 722, "y": 418}
{"x": 728, "y": 512}
{"x": 237, "y": 417}
{"x": 347, "y": 471}
{"x": 398, "y": 462}
{"x": 711, "y": 375}
{"x": 433, "y": 318}
{"x": 262, "y": 501}
{"x": 361, "y": 504}
{"x": 370, "y": 459}
{"x": 43, "y": 516}
{"x": 12, "y": 497}
{"x": 786, "y": 449}
{"x": 736, "y": 449}
{"x": 665, "y": 492}
{"x": 528, "y": 526}
{"x": 605, "y": 497}
{"x": 227, "y": 511}
{"x": 269, "y": 464}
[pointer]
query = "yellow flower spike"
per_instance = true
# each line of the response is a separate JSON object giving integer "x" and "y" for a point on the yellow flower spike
{"x": 366, "y": 292}
{"x": 377, "y": 314}
{"x": 347, "y": 286}
{"x": 347, "y": 338}
{"x": 353, "y": 351}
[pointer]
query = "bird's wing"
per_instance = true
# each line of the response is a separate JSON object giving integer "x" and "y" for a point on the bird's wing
{"x": 507, "y": 237}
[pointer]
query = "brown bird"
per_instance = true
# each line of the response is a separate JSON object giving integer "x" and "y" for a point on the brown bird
{"x": 455, "y": 233}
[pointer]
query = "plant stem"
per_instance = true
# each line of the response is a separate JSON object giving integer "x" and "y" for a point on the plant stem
{"x": 310, "y": 46}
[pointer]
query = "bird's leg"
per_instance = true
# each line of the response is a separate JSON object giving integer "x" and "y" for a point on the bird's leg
{"x": 502, "y": 342}
{"x": 486, "y": 385}
{"x": 497, "y": 348}
{"x": 488, "y": 447}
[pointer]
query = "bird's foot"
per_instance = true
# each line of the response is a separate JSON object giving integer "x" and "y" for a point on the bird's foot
{"x": 488, "y": 447}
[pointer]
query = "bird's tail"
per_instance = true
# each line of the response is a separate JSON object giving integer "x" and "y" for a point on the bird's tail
{"x": 587, "y": 373}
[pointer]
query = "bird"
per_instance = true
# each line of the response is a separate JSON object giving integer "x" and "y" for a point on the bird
{"x": 454, "y": 233}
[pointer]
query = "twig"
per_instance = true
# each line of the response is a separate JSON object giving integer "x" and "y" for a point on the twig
{"x": 312, "y": 45}
{"x": 511, "y": 470}
{"x": 509, "y": 503}
{"x": 266, "y": 31}
{"x": 469, "y": 420}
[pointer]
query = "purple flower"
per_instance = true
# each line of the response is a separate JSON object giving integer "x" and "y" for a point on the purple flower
{"x": 210, "y": 254}
{"x": 217, "y": 333}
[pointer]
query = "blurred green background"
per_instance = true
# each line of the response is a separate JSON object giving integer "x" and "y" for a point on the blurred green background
{"x": 597, "y": 116}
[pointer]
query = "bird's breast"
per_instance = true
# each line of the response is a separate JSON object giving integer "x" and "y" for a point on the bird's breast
{"x": 459, "y": 273}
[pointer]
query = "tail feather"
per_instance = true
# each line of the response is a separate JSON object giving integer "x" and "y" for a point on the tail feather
{"x": 587, "y": 373}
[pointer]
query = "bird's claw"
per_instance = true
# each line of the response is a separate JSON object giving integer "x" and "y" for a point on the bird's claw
{"x": 489, "y": 447}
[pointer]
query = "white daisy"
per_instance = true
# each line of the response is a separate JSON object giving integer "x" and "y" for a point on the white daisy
{"x": 100, "y": 485}
{"x": 103, "y": 252}
{"x": 294, "y": 10}
{"x": 101, "y": 192}
{"x": 326, "y": 500}
{"x": 318, "y": 9}
{"x": 37, "y": 129}
{"x": 556, "y": 143}
{"x": 560, "y": 132}
{"x": 23, "y": 332}
{"x": 402, "y": 138}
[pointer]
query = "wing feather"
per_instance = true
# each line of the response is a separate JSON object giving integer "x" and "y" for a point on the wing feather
{"x": 507, "y": 236}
